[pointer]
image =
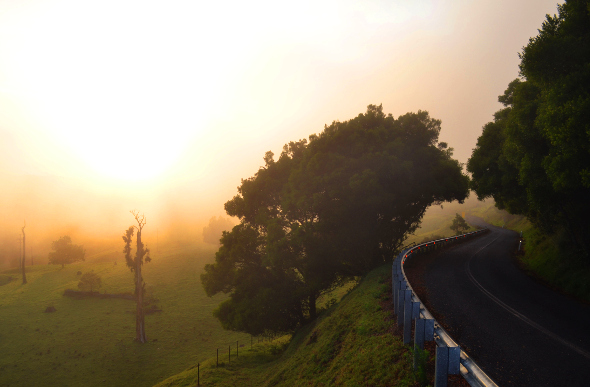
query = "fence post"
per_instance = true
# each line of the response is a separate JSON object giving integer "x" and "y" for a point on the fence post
{"x": 237, "y": 349}
{"x": 217, "y": 357}
{"x": 229, "y": 354}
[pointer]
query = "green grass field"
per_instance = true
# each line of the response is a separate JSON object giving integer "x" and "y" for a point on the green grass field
{"x": 89, "y": 342}
{"x": 351, "y": 344}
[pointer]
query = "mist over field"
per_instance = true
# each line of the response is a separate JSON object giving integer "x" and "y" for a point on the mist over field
{"x": 326, "y": 135}
{"x": 91, "y": 129}
{"x": 92, "y": 216}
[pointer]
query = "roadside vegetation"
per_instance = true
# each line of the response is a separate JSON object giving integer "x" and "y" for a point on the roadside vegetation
{"x": 534, "y": 159}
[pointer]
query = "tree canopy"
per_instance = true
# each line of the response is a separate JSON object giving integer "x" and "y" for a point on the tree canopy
{"x": 65, "y": 252}
{"x": 534, "y": 158}
{"x": 327, "y": 210}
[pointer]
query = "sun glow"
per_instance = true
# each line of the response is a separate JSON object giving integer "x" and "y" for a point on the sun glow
{"x": 126, "y": 91}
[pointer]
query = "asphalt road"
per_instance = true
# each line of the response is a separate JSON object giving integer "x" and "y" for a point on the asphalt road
{"x": 520, "y": 332}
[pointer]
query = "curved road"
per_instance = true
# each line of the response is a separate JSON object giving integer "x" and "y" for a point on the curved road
{"x": 518, "y": 331}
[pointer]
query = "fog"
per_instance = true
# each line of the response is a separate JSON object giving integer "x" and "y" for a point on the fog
{"x": 163, "y": 107}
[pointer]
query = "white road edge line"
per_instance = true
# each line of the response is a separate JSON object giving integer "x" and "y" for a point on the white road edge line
{"x": 516, "y": 313}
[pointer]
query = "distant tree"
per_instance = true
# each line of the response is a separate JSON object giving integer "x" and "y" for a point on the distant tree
{"x": 64, "y": 252}
{"x": 89, "y": 282}
{"x": 142, "y": 253}
{"x": 23, "y": 261}
{"x": 217, "y": 225}
{"x": 326, "y": 211}
{"x": 459, "y": 224}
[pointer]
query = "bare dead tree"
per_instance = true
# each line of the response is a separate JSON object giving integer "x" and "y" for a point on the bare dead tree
{"x": 142, "y": 253}
{"x": 23, "y": 258}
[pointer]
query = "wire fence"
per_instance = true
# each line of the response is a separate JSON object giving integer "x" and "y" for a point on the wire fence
{"x": 229, "y": 354}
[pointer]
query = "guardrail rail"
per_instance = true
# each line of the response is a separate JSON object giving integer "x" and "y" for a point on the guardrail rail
{"x": 449, "y": 358}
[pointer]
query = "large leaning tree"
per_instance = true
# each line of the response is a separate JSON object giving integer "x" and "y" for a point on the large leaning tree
{"x": 142, "y": 254}
{"x": 65, "y": 252}
{"x": 534, "y": 158}
{"x": 325, "y": 211}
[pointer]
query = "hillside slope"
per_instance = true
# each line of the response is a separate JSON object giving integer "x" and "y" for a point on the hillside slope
{"x": 351, "y": 344}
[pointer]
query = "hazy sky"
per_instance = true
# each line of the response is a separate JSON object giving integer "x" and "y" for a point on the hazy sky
{"x": 173, "y": 102}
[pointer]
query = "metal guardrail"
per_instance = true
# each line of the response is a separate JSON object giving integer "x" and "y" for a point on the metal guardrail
{"x": 450, "y": 359}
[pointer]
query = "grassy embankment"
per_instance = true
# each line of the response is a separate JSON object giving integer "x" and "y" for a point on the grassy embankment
{"x": 351, "y": 344}
{"x": 89, "y": 342}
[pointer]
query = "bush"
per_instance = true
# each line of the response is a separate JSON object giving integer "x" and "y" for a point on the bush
{"x": 90, "y": 281}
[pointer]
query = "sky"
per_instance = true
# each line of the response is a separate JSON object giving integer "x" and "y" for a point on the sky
{"x": 163, "y": 106}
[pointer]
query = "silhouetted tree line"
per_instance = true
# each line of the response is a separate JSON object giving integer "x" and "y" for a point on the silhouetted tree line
{"x": 534, "y": 158}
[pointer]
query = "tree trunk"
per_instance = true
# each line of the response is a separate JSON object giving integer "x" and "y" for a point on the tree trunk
{"x": 312, "y": 308}
{"x": 139, "y": 315}
{"x": 23, "y": 262}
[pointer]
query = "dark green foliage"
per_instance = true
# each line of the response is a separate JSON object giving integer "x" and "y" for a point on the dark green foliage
{"x": 459, "y": 224}
{"x": 534, "y": 159}
{"x": 64, "y": 252}
{"x": 326, "y": 211}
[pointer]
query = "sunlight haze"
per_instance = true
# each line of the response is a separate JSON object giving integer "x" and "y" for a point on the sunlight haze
{"x": 163, "y": 106}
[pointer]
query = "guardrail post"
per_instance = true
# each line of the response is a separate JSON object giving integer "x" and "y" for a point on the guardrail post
{"x": 441, "y": 366}
{"x": 396, "y": 287}
{"x": 407, "y": 315}
{"x": 428, "y": 329}
{"x": 418, "y": 341}
{"x": 454, "y": 360}
{"x": 418, "y": 335}
{"x": 411, "y": 311}
{"x": 399, "y": 309}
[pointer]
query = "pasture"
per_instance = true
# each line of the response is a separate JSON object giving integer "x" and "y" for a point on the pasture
{"x": 90, "y": 342}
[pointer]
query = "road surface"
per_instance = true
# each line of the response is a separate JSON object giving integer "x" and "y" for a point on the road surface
{"x": 520, "y": 332}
